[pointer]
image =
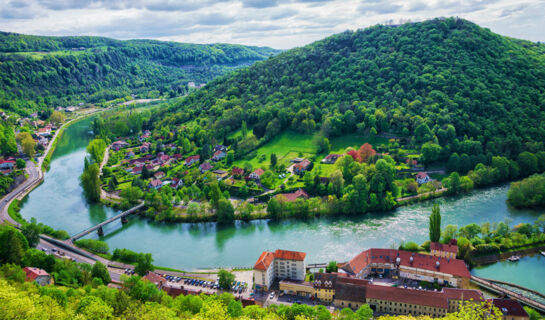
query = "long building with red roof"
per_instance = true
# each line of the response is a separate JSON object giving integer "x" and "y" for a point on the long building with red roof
{"x": 409, "y": 265}
{"x": 281, "y": 264}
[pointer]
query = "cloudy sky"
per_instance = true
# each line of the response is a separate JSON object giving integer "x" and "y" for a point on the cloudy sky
{"x": 280, "y": 24}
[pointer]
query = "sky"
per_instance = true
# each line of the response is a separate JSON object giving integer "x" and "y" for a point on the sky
{"x": 280, "y": 24}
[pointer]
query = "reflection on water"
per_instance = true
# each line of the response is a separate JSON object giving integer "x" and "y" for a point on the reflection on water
{"x": 59, "y": 202}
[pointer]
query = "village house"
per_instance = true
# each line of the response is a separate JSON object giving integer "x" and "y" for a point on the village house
{"x": 256, "y": 175}
{"x": 218, "y": 155}
{"x": 291, "y": 197}
{"x": 159, "y": 175}
{"x": 118, "y": 145}
{"x": 408, "y": 265}
{"x": 422, "y": 178}
{"x": 331, "y": 158}
{"x": 220, "y": 147}
{"x": 36, "y": 274}
{"x": 145, "y": 147}
{"x": 302, "y": 166}
{"x": 282, "y": 265}
{"x": 237, "y": 172}
{"x": 205, "y": 166}
{"x": 191, "y": 160}
{"x": 221, "y": 174}
{"x": 449, "y": 250}
{"x": 510, "y": 309}
{"x": 155, "y": 184}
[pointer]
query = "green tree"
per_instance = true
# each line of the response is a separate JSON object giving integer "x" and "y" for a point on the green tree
{"x": 144, "y": 263}
{"x": 435, "y": 224}
{"x": 225, "y": 279}
{"x": 331, "y": 267}
{"x": 100, "y": 271}
{"x": 225, "y": 211}
{"x": 31, "y": 231}
{"x": 90, "y": 182}
{"x": 21, "y": 164}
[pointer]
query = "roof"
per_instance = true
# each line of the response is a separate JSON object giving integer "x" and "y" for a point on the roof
{"x": 510, "y": 307}
{"x": 295, "y": 195}
{"x": 444, "y": 247}
{"x": 33, "y": 273}
{"x": 264, "y": 261}
{"x": 410, "y": 296}
{"x": 349, "y": 290}
{"x": 332, "y": 156}
{"x": 290, "y": 255}
{"x": 156, "y": 182}
{"x": 154, "y": 278}
{"x": 454, "y": 267}
{"x": 421, "y": 175}
{"x": 325, "y": 280}
{"x": 463, "y": 294}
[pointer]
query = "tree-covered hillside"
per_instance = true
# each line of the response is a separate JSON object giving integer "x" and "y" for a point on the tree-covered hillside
{"x": 444, "y": 81}
{"x": 38, "y": 72}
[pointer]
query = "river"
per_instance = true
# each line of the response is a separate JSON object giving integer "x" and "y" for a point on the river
{"x": 59, "y": 203}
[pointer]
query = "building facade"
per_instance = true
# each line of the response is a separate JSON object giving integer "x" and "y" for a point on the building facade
{"x": 282, "y": 265}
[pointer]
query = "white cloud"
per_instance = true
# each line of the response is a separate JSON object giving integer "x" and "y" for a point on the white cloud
{"x": 276, "y": 23}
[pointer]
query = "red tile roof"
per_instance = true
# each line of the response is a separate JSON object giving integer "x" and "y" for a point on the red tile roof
{"x": 454, "y": 267}
{"x": 266, "y": 258}
{"x": 33, "y": 273}
{"x": 290, "y": 255}
{"x": 444, "y": 247}
{"x": 510, "y": 307}
{"x": 295, "y": 195}
{"x": 264, "y": 261}
{"x": 409, "y": 296}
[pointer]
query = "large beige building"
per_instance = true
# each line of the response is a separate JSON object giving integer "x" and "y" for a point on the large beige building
{"x": 282, "y": 265}
{"x": 391, "y": 263}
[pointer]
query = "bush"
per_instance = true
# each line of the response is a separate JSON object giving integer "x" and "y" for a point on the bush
{"x": 95, "y": 246}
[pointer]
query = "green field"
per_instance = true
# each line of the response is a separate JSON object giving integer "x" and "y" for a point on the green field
{"x": 286, "y": 146}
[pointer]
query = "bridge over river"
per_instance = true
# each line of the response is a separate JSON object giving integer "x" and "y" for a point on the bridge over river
{"x": 525, "y": 296}
{"x": 99, "y": 226}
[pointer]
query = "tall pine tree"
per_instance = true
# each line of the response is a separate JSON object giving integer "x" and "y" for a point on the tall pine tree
{"x": 435, "y": 224}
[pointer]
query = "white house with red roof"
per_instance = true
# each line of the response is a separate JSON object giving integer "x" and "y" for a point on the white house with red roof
{"x": 39, "y": 275}
{"x": 282, "y": 265}
{"x": 422, "y": 178}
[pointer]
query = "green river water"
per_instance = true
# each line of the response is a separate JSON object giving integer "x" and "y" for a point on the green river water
{"x": 59, "y": 203}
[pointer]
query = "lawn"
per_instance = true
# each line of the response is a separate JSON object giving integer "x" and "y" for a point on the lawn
{"x": 286, "y": 146}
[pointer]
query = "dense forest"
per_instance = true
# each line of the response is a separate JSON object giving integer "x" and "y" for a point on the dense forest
{"x": 447, "y": 82}
{"x": 38, "y": 72}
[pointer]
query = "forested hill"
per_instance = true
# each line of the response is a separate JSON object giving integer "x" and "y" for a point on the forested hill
{"x": 37, "y": 72}
{"x": 419, "y": 79}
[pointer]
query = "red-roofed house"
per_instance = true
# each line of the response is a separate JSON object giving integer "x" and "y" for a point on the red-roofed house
{"x": 511, "y": 309}
{"x": 256, "y": 175}
{"x": 156, "y": 279}
{"x": 331, "y": 158}
{"x": 282, "y": 264}
{"x": 36, "y": 274}
{"x": 409, "y": 265}
{"x": 237, "y": 172}
{"x": 422, "y": 178}
{"x": 291, "y": 197}
{"x": 302, "y": 166}
{"x": 191, "y": 160}
{"x": 155, "y": 184}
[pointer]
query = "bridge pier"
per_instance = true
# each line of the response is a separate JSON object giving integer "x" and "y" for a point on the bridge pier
{"x": 100, "y": 231}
